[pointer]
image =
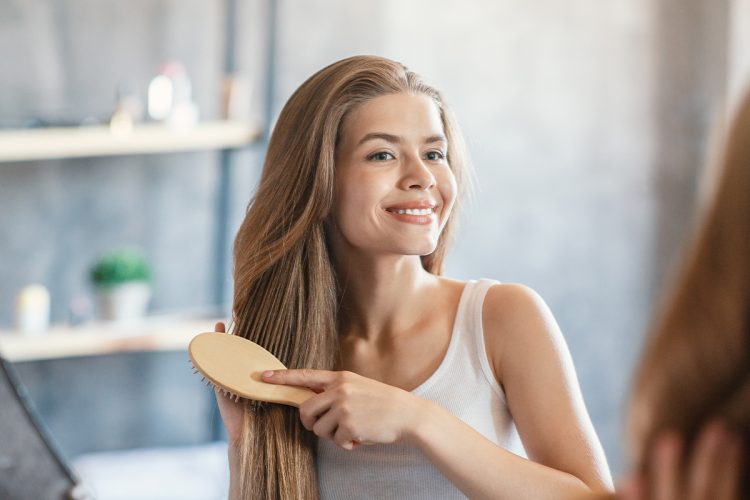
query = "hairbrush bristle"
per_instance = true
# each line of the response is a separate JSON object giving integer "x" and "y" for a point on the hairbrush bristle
{"x": 231, "y": 395}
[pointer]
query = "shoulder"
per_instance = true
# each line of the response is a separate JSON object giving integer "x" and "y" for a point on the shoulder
{"x": 511, "y": 303}
{"x": 444, "y": 281}
{"x": 516, "y": 320}
{"x": 450, "y": 287}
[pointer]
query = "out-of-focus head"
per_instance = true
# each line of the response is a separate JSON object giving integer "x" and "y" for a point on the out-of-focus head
{"x": 696, "y": 364}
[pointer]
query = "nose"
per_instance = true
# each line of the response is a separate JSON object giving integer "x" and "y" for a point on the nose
{"x": 417, "y": 175}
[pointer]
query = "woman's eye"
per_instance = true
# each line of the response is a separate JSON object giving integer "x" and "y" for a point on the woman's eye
{"x": 435, "y": 155}
{"x": 380, "y": 156}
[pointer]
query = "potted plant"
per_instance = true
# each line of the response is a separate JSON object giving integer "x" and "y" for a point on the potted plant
{"x": 123, "y": 282}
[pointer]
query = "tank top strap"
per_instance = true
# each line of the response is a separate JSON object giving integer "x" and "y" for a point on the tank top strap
{"x": 474, "y": 327}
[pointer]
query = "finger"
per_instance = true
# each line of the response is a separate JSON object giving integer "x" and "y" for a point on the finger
{"x": 632, "y": 488}
{"x": 344, "y": 439}
{"x": 726, "y": 467}
{"x": 728, "y": 480}
{"x": 220, "y": 327}
{"x": 317, "y": 380}
{"x": 665, "y": 467}
{"x": 704, "y": 462}
{"x": 313, "y": 408}
{"x": 326, "y": 425}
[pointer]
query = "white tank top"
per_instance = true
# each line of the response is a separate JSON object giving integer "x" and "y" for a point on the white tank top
{"x": 465, "y": 385}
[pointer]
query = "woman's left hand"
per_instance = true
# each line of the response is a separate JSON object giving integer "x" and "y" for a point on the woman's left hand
{"x": 351, "y": 409}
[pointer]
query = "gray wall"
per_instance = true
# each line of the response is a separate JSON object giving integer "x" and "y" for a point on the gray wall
{"x": 587, "y": 122}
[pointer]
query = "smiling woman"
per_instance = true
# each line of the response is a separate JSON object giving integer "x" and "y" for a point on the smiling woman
{"x": 420, "y": 379}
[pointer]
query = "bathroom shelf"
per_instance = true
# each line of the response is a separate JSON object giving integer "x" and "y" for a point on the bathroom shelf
{"x": 100, "y": 140}
{"x": 99, "y": 338}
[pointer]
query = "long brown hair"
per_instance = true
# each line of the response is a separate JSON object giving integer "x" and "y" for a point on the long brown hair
{"x": 285, "y": 287}
{"x": 696, "y": 364}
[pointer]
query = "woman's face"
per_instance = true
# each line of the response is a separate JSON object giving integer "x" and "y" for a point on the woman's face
{"x": 394, "y": 187}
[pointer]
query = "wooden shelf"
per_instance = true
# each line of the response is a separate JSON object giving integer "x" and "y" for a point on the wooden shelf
{"x": 77, "y": 142}
{"x": 94, "y": 339}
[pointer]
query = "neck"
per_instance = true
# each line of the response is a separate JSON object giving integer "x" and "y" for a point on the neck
{"x": 381, "y": 294}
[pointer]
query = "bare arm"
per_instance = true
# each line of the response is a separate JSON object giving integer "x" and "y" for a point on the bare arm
{"x": 481, "y": 469}
{"x": 531, "y": 360}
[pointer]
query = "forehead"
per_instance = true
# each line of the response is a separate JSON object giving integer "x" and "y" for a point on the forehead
{"x": 399, "y": 114}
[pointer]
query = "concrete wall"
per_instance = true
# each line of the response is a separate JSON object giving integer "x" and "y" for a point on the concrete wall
{"x": 587, "y": 122}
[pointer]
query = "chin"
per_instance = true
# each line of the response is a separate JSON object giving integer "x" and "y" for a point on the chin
{"x": 419, "y": 249}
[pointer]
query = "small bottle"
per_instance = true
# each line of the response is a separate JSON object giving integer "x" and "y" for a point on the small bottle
{"x": 32, "y": 309}
{"x": 160, "y": 96}
{"x": 128, "y": 109}
{"x": 170, "y": 97}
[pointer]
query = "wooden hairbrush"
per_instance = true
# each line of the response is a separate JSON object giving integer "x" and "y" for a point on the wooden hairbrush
{"x": 233, "y": 365}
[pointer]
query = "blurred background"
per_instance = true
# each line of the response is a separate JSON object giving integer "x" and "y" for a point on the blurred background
{"x": 589, "y": 124}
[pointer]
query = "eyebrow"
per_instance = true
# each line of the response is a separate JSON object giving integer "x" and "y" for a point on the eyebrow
{"x": 396, "y": 139}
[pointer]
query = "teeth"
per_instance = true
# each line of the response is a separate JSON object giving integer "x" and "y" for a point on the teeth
{"x": 413, "y": 211}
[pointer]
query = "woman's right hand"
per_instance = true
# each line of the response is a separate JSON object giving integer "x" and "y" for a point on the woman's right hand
{"x": 232, "y": 413}
{"x": 711, "y": 472}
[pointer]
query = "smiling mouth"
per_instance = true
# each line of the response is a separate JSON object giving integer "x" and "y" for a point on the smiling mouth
{"x": 419, "y": 216}
{"x": 411, "y": 211}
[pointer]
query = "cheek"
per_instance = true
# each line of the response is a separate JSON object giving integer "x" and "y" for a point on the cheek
{"x": 364, "y": 193}
{"x": 357, "y": 202}
{"x": 448, "y": 192}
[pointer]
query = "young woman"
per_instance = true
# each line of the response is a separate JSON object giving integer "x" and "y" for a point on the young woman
{"x": 421, "y": 379}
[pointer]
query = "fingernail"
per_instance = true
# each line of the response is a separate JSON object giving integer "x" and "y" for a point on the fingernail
{"x": 267, "y": 374}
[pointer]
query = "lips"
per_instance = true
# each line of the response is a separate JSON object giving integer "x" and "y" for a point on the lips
{"x": 420, "y": 212}
{"x": 412, "y": 205}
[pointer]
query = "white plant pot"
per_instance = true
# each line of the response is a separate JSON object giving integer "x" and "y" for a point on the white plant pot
{"x": 124, "y": 302}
